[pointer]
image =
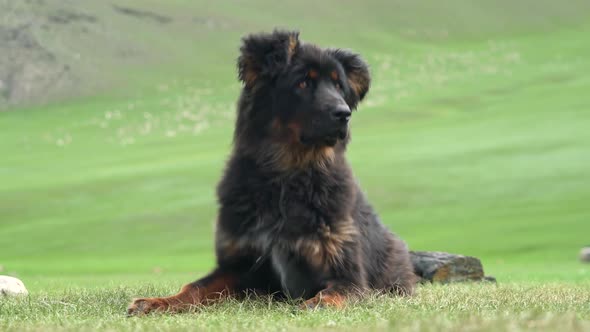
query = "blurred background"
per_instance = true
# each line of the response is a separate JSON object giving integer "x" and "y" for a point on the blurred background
{"x": 117, "y": 119}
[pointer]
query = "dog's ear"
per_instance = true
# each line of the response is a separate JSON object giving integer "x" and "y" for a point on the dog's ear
{"x": 263, "y": 55}
{"x": 357, "y": 71}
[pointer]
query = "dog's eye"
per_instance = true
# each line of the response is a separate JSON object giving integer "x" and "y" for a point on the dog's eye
{"x": 302, "y": 84}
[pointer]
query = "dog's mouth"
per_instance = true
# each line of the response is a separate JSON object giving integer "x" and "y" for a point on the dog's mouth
{"x": 327, "y": 140}
{"x": 331, "y": 140}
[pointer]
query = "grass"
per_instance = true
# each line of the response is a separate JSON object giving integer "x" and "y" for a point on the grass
{"x": 484, "y": 307}
{"x": 472, "y": 140}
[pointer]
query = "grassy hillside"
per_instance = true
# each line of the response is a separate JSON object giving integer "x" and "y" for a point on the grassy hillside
{"x": 474, "y": 138}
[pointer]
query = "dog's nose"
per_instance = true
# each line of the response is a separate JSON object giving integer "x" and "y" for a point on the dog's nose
{"x": 341, "y": 113}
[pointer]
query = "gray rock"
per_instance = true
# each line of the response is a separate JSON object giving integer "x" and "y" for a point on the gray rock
{"x": 442, "y": 267}
{"x": 491, "y": 279}
{"x": 585, "y": 254}
{"x": 10, "y": 286}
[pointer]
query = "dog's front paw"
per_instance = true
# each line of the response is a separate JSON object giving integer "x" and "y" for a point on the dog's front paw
{"x": 321, "y": 301}
{"x": 145, "y": 306}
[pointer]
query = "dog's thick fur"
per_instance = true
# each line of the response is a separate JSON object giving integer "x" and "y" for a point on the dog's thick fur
{"x": 292, "y": 219}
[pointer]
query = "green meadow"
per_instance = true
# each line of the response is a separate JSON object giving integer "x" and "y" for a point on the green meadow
{"x": 474, "y": 139}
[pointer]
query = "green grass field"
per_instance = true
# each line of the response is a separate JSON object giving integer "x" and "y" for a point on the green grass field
{"x": 474, "y": 139}
{"x": 453, "y": 308}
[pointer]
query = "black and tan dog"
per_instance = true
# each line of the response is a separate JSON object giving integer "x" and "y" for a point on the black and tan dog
{"x": 292, "y": 219}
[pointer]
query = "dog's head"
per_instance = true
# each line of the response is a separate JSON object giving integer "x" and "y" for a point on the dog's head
{"x": 297, "y": 92}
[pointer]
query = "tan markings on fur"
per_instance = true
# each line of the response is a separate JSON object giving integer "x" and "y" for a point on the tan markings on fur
{"x": 216, "y": 289}
{"x": 340, "y": 233}
{"x": 294, "y": 131}
{"x": 250, "y": 74}
{"x": 288, "y": 153}
{"x": 189, "y": 296}
{"x": 250, "y": 77}
{"x": 276, "y": 124}
{"x": 326, "y": 298}
{"x": 357, "y": 82}
{"x": 297, "y": 156}
{"x": 313, "y": 74}
{"x": 228, "y": 245}
{"x": 292, "y": 47}
{"x": 334, "y": 75}
{"x": 327, "y": 248}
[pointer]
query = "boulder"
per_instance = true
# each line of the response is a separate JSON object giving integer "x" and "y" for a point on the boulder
{"x": 10, "y": 286}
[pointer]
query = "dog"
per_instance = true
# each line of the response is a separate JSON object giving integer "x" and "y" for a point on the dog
{"x": 293, "y": 220}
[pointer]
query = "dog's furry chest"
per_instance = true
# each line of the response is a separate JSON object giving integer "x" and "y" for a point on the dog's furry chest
{"x": 304, "y": 240}
{"x": 305, "y": 206}
{"x": 302, "y": 222}
{"x": 307, "y": 227}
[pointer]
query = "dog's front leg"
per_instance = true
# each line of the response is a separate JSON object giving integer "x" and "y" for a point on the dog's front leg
{"x": 215, "y": 286}
{"x": 335, "y": 295}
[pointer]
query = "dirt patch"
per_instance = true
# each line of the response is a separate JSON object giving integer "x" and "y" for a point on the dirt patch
{"x": 28, "y": 71}
{"x": 143, "y": 14}
{"x": 52, "y": 50}
{"x": 67, "y": 16}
